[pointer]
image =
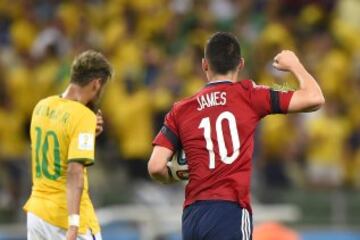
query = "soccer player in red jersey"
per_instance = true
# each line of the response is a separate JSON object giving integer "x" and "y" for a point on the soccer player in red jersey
{"x": 215, "y": 128}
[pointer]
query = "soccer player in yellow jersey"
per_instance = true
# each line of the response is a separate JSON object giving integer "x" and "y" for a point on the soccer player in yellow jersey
{"x": 63, "y": 131}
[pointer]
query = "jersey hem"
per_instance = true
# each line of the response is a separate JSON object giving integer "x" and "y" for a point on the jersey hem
{"x": 85, "y": 161}
{"x": 189, "y": 202}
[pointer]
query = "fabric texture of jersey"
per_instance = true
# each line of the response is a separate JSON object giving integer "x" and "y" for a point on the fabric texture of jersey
{"x": 61, "y": 131}
{"x": 216, "y": 129}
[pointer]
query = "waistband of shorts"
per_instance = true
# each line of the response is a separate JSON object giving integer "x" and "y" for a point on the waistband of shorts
{"x": 214, "y": 202}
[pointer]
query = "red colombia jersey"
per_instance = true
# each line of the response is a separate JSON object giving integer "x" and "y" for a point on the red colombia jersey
{"x": 216, "y": 129}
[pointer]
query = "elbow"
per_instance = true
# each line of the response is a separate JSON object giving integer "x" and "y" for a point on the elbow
{"x": 317, "y": 102}
{"x": 321, "y": 101}
{"x": 155, "y": 169}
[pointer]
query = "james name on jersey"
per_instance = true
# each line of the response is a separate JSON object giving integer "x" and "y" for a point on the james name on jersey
{"x": 211, "y": 99}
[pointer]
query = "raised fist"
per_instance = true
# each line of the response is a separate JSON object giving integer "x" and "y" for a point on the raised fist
{"x": 286, "y": 60}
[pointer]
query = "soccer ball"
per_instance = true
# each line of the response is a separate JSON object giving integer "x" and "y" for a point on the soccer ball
{"x": 178, "y": 167}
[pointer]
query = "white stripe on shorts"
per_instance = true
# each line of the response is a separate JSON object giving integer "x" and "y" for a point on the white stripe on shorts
{"x": 245, "y": 225}
{"x": 248, "y": 223}
{"x": 242, "y": 223}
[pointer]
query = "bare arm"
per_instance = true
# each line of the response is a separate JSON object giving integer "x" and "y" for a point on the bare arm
{"x": 157, "y": 165}
{"x": 309, "y": 96}
{"x": 75, "y": 186}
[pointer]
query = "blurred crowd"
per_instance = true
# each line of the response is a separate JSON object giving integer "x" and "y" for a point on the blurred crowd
{"x": 156, "y": 47}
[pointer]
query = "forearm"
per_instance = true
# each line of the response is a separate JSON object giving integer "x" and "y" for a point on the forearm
{"x": 157, "y": 165}
{"x": 75, "y": 187}
{"x": 163, "y": 176}
{"x": 74, "y": 190}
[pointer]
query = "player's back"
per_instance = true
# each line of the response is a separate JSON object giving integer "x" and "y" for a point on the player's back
{"x": 61, "y": 131}
{"x": 216, "y": 129}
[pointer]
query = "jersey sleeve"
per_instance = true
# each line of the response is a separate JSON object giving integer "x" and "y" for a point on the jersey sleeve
{"x": 265, "y": 100}
{"x": 168, "y": 136}
{"x": 82, "y": 140}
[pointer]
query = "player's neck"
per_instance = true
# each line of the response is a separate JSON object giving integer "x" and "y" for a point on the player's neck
{"x": 226, "y": 77}
{"x": 75, "y": 93}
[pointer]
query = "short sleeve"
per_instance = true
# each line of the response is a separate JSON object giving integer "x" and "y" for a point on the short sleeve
{"x": 265, "y": 100}
{"x": 168, "y": 135}
{"x": 82, "y": 140}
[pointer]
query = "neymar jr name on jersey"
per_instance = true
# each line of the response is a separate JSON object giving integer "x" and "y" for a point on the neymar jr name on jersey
{"x": 53, "y": 114}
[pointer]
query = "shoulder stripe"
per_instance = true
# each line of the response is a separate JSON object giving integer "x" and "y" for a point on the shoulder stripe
{"x": 171, "y": 136}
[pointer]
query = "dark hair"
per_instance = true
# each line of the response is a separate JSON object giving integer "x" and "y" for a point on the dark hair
{"x": 88, "y": 66}
{"x": 223, "y": 52}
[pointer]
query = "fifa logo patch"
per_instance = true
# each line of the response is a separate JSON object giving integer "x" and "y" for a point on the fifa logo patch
{"x": 86, "y": 141}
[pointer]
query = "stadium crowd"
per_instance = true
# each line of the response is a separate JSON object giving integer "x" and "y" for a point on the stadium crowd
{"x": 156, "y": 47}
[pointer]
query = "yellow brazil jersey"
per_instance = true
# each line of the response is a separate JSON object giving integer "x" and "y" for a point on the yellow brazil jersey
{"x": 62, "y": 131}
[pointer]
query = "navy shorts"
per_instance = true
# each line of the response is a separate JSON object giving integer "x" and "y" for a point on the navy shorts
{"x": 215, "y": 220}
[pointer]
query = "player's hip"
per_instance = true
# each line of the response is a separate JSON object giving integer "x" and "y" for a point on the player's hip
{"x": 38, "y": 229}
{"x": 56, "y": 213}
{"x": 216, "y": 219}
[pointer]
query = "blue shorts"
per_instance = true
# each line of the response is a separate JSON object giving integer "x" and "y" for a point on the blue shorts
{"x": 216, "y": 219}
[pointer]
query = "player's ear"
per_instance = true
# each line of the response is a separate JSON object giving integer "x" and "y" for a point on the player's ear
{"x": 241, "y": 64}
{"x": 205, "y": 65}
{"x": 96, "y": 84}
